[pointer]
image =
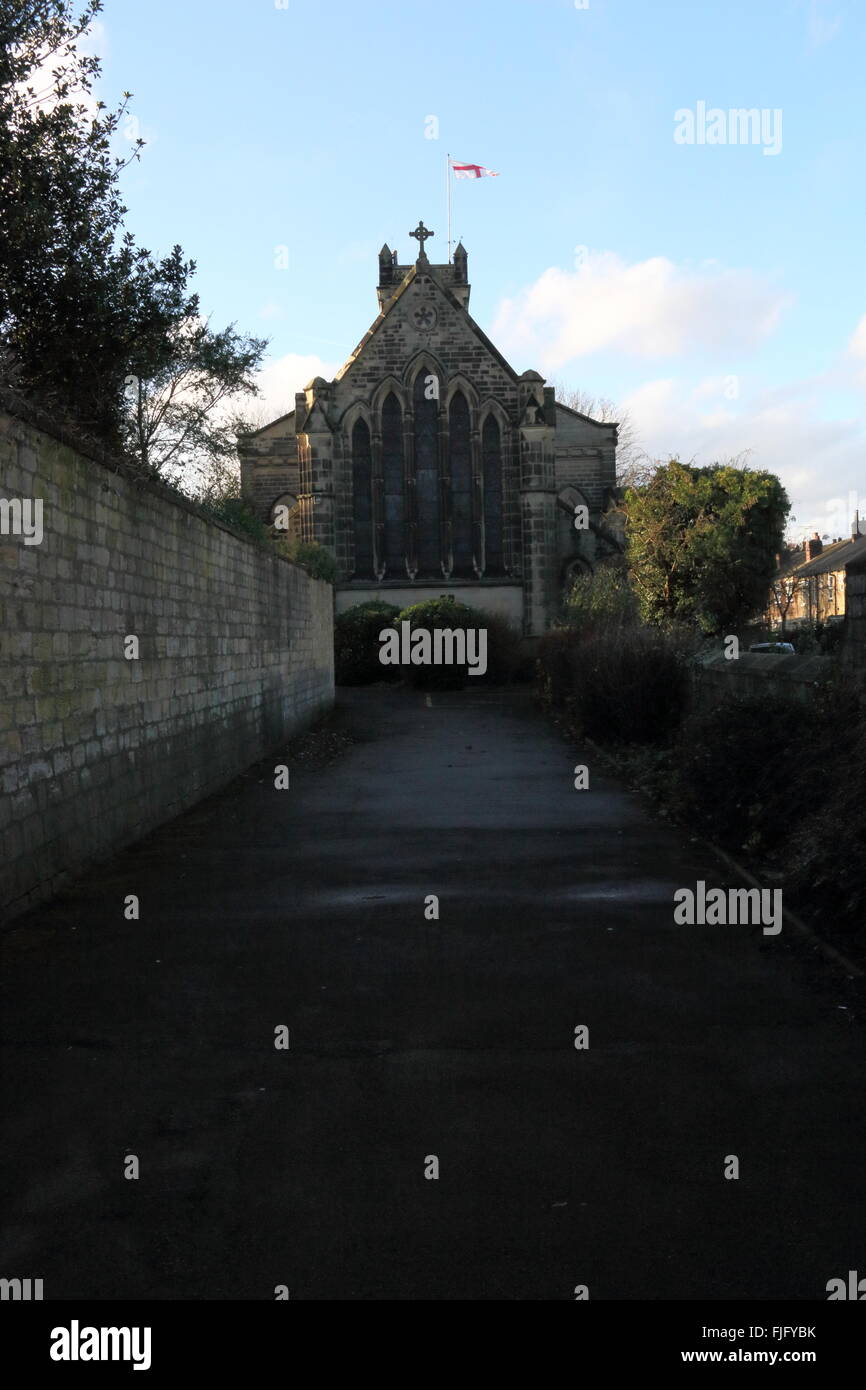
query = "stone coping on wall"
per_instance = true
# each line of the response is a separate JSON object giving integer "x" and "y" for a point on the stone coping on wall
{"x": 786, "y": 666}
{"x": 126, "y": 467}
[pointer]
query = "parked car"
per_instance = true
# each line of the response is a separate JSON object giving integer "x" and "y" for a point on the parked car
{"x": 785, "y": 647}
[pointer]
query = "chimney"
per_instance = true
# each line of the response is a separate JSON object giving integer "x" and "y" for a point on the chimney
{"x": 855, "y": 529}
{"x": 814, "y": 547}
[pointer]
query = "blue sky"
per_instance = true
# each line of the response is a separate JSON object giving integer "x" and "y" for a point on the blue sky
{"x": 714, "y": 289}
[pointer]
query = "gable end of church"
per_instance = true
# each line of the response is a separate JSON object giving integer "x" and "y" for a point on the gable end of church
{"x": 428, "y": 466}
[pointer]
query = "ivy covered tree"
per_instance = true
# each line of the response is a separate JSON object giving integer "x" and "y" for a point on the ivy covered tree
{"x": 77, "y": 296}
{"x": 84, "y": 310}
{"x": 702, "y": 543}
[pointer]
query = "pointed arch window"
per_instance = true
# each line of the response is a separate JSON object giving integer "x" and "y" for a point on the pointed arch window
{"x": 362, "y": 499}
{"x": 394, "y": 489}
{"x": 491, "y": 456}
{"x": 427, "y": 483}
{"x": 461, "y": 485}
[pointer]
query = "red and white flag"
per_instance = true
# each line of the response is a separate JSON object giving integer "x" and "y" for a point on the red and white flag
{"x": 472, "y": 171}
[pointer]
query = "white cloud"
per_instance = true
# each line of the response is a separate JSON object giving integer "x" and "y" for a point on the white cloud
{"x": 857, "y": 344}
{"x": 93, "y": 43}
{"x": 651, "y": 309}
{"x": 280, "y": 379}
{"x": 820, "y": 462}
{"x": 653, "y": 406}
{"x": 857, "y": 350}
{"x": 717, "y": 388}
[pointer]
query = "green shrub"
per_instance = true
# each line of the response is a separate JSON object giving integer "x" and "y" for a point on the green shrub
{"x": 632, "y": 685}
{"x": 505, "y": 657}
{"x": 832, "y": 636}
{"x": 237, "y": 513}
{"x": 817, "y": 638}
{"x": 503, "y": 644}
{"x": 735, "y": 768}
{"x": 600, "y": 601}
{"x": 316, "y": 559}
{"x": 629, "y": 685}
{"x": 357, "y": 645}
{"x": 825, "y": 848}
{"x": 782, "y": 780}
{"x": 556, "y": 654}
{"x": 439, "y": 613}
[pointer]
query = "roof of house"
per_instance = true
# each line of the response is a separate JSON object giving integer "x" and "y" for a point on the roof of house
{"x": 832, "y": 558}
{"x": 790, "y": 560}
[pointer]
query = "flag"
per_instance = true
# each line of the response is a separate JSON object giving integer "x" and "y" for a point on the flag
{"x": 472, "y": 171}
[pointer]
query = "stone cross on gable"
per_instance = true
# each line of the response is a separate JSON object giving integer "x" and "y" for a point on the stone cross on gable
{"x": 421, "y": 233}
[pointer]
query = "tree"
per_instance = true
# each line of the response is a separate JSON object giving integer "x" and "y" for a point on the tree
{"x": 633, "y": 465}
{"x": 784, "y": 590}
{"x": 179, "y": 418}
{"x": 600, "y": 602}
{"x": 78, "y": 299}
{"x": 703, "y": 543}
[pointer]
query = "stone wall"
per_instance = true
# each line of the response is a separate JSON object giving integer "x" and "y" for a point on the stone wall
{"x": 235, "y": 653}
{"x": 585, "y": 456}
{"x": 760, "y": 673}
{"x": 270, "y": 466}
{"x": 854, "y": 649}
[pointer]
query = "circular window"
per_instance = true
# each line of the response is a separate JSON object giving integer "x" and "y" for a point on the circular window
{"x": 425, "y": 317}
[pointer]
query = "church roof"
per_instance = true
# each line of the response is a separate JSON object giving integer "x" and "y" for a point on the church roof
{"x": 590, "y": 419}
{"x": 270, "y": 425}
{"x": 428, "y": 268}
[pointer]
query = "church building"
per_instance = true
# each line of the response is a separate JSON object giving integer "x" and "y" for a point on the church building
{"x": 428, "y": 466}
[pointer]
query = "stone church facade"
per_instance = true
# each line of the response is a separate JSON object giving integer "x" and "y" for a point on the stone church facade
{"x": 428, "y": 466}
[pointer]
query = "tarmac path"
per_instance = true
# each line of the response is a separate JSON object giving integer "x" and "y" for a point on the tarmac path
{"x": 412, "y": 1038}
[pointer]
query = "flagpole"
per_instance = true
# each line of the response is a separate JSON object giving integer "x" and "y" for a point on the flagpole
{"x": 448, "y": 182}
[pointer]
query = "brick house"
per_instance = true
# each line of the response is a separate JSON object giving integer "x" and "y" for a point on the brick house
{"x": 429, "y": 466}
{"x": 810, "y": 585}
